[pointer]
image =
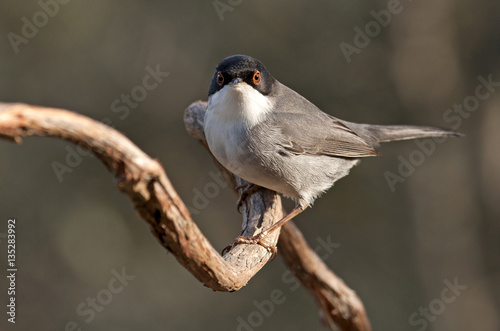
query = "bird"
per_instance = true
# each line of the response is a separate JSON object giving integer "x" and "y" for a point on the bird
{"x": 271, "y": 136}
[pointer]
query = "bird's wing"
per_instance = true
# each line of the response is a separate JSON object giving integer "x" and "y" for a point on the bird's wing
{"x": 317, "y": 133}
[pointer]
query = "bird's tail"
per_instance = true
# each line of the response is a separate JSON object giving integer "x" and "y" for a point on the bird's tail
{"x": 384, "y": 133}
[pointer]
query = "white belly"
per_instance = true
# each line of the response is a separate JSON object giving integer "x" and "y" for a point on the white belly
{"x": 227, "y": 145}
{"x": 230, "y": 114}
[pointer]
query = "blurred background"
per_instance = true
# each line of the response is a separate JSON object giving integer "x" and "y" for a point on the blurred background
{"x": 417, "y": 229}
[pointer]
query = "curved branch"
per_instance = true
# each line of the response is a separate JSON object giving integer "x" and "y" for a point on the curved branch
{"x": 337, "y": 302}
{"x": 144, "y": 181}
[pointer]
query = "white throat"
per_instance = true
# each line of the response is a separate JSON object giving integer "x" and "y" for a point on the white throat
{"x": 240, "y": 103}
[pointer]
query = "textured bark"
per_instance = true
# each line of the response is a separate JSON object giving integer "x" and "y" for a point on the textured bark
{"x": 145, "y": 182}
{"x": 338, "y": 303}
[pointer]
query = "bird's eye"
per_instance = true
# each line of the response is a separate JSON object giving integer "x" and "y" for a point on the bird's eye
{"x": 220, "y": 78}
{"x": 256, "y": 77}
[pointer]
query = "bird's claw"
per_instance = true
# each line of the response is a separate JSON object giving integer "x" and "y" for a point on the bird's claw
{"x": 252, "y": 240}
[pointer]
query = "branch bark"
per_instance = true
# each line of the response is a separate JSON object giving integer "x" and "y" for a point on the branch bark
{"x": 338, "y": 304}
{"x": 145, "y": 182}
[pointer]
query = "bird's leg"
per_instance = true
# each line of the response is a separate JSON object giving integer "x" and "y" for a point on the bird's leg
{"x": 247, "y": 189}
{"x": 260, "y": 238}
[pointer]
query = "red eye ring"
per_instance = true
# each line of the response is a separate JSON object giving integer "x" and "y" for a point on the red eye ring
{"x": 220, "y": 78}
{"x": 256, "y": 77}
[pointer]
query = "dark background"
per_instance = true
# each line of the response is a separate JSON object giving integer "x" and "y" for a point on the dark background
{"x": 398, "y": 248}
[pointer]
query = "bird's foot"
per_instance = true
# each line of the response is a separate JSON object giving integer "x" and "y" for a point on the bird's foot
{"x": 247, "y": 189}
{"x": 253, "y": 240}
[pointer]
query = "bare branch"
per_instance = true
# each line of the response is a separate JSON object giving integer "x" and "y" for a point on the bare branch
{"x": 337, "y": 302}
{"x": 144, "y": 181}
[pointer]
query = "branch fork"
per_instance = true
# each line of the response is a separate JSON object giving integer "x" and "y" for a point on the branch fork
{"x": 145, "y": 182}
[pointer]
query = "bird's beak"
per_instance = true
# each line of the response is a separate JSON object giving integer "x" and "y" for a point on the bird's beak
{"x": 236, "y": 81}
